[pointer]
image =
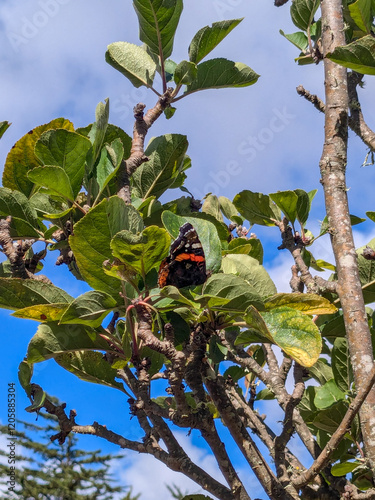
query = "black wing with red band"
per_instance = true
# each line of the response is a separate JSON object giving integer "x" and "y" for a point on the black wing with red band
{"x": 186, "y": 263}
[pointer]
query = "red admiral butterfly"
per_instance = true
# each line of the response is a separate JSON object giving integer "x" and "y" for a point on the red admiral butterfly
{"x": 186, "y": 263}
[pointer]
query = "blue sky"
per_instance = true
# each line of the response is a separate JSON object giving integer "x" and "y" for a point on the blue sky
{"x": 263, "y": 138}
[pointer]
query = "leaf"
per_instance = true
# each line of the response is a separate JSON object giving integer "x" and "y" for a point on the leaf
{"x": 16, "y": 204}
{"x": 343, "y": 468}
{"x": 3, "y": 128}
{"x": 207, "y": 38}
{"x": 287, "y": 202}
{"x": 17, "y": 294}
{"x": 141, "y": 252}
{"x": 158, "y": 21}
{"x": 221, "y": 73}
{"x": 89, "y": 309}
{"x": 53, "y": 178}
{"x": 226, "y": 292}
{"x": 333, "y": 326}
{"x": 42, "y": 312}
{"x": 366, "y": 267}
{"x": 174, "y": 293}
{"x": 91, "y": 240}
{"x": 109, "y": 163}
{"x": 166, "y": 162}
{"x": 133, "y": 62}
{"x": 250, "y": 270}
{"x": 96, "y": 133}
{"x": 39, "y": 397}
{"x": 25, "y": 372}
{"x": 51, "y": 340}
{"x": 341, "y": 366}
{"x": 298, "y": 39}
{"x": 362, "y": 12}
{"x": 305, "y": 302}
{"x": 328, "y": 394}
{"x": 207, "y": 234}
{"x": 295, "y": 333}
{"x": 91, "y": 367}
{"x": 321, "y": 371}
{"x": 228, "y": 208}
{"x": 211, "y": 206}
{"x": 21, "y": 158}
{"x": 304, "y": 204}
{"x": 302, "y": 13}
{"x": 358, "y": 56}
{"x": 185, "y": 73}
{"x": 257, "y": 208}
{"x": 67, "y": 150}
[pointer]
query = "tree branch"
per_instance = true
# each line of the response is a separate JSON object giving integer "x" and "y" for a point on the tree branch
{"x": 333, "y": 168}
{"x": 137, "y": 156}
{"x": 323, "y": 459}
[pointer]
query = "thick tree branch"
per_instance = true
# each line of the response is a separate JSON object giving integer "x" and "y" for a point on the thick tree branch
{"x": 333, "y": 168}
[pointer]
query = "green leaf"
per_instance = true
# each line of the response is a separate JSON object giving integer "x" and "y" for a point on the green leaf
{"x": 3, "y": 128}
{"x": 226, "y": 292}
{"x": 238, "y": 246}
{"x": 264, "y": 394}
{"x": 91, "y": 240}
{"x": 96, "y": 132}
{"x": 17, "y": 294}
{"x": 298, "y": 39}
{"x": 304, "y": 204}
{"x": 333, "y": 326}
{"x": 343, "y": 468}
{"x": 321, "y": 371}
{"x": 109, "y": 163}
{"x": 54, "y": 179}
{"x": 51, "y": 340}
{"x": 328, "y": 394}
{"x": 67, "y": 150}
{"x": 366, "y": 267}
{"x": 91, "y": 367}
{"x": 133, "y": 62}
{"x": 158, "y": 21}
{"x": 39, "y": 397}
{"x": 89, "y": 309}
{"x": 305, "y": 302}
{"x": 174, "y": 293}
{"x": 362, "y": 12}
{"x": 358, "y": 56}
{"x": 25, "y": 372}
{"x": 21, "y": 158}
{"x": 141, "y": 252}
{"x": 207, "y": 234}
{"x": 302, "y": 12}
{"x": 228, "y": 208}
{"x": 257, "y": 208}
{"x": 341, "y": 366}
{"x": 207, "y": 38}
{"x": 211, "y": 206}
{"x": 166, "y": 163}
{"x": 221, "y": 73}
{"x": 185, "y": 73}
{"x": 287, "y": 202}
{"x": 295, "y": 333}
{"x": 16, "y": 204}
{"x": 250, "y": 270}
